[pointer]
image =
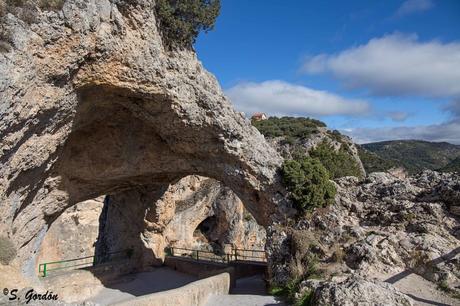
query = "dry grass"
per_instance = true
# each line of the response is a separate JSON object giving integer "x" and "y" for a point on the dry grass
{"x": 7, "y": 250}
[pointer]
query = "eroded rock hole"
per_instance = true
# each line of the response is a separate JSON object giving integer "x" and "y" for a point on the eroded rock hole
{"x": 196, "y": 212}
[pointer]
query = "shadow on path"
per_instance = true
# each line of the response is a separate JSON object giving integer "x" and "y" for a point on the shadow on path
{"x": 434, "y": 262}
{"x": 398, "y": 277}
{"x": 426, "y": 301}
{"x": 143, "y": 283}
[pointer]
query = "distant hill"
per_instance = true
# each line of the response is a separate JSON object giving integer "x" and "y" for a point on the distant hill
{"x": 374, "y": 163}
{"x": 414, "y": 155}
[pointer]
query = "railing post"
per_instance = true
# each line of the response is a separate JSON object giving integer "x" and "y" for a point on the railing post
{"x": 197, "y": 255}
{"x": 44, "y": 270}
{"x": 228, "y": 258}
{"x": 236, "y": 254}
{"x": 172, "y": 251}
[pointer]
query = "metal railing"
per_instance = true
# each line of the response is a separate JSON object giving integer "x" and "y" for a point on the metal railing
{"x": 83, "y": 262}
{"x": 234, "y": 255}
{"x": 250, "y": 255}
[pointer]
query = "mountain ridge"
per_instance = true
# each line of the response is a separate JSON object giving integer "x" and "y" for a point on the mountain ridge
{"x": 413, "y": 155}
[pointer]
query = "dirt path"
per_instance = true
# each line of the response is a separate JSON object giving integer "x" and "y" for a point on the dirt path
{"x": 423, "y": 292}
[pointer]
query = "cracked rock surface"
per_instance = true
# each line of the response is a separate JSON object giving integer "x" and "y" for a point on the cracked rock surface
{"x": 91, "y": 103}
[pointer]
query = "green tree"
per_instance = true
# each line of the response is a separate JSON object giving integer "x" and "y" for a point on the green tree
{"x": 181, "y": 21}
{"x": 338, "y": 163}
{"x": 308, "y": 183}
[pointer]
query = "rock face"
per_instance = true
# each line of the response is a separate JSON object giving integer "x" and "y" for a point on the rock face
{"x": 396, "y": 224}
{"x": 91, "y": 103}
{"x": 73, "y": 234}
{"x": 195, "y": 213}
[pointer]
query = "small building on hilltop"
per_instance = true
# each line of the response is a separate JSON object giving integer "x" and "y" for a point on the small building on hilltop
{"x": 259, "y": 116}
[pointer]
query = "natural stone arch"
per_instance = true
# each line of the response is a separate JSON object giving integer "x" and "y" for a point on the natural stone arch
{"x": 92, "y": 103}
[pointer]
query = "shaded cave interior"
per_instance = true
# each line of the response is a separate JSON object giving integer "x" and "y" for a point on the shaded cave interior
{"x": 105, "y": 227}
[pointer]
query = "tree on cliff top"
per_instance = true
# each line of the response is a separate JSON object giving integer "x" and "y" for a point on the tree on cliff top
{"x": 181, "y": 21}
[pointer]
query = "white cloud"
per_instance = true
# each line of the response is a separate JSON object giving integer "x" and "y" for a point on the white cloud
{"x": 395, "y": 65}
{"x": 282, "y": 98}
{"x": 413, "y": 6}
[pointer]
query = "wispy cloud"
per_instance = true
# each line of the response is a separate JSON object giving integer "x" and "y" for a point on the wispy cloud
{"x": 413, "y": 6}
{"x": 283, "y": 98}
{"x": 398, "y": 116}
{"x": 447, "y": 131}
{"x": 395, "y": 65}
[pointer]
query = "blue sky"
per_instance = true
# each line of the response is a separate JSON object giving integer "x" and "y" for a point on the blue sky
{"x": 375, "y": 70}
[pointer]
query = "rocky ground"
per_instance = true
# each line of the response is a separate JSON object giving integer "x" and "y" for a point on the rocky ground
{"x": 384, "y": 230}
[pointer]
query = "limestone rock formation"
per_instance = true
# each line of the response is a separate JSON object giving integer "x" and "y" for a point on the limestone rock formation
{"x": 384, "y": 227}
{"x": 73, "y": 234}
{"x": 194, "y": 213}
{"x": 210, "y": 217}
{"x": 396, "y": 224}
{"x": 92, "y": 103}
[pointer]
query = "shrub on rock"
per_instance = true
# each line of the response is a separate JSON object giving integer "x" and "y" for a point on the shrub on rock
{"x": 308, "y": 183}
{"x": 339, "y": 163}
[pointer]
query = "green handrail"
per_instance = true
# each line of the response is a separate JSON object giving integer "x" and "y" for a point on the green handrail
{"x": 44, "y": 268}
{"x": 235, "y": 254}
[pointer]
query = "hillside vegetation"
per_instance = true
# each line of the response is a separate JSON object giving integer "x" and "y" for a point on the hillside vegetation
{"x": 413, "y": 155}
{"x": 374, "y": 163}
{"x": 290, "y": 128}
{"x": 296, "y": 132}
{"x": 453, "y": 166}
{"x": 338, "y": 163}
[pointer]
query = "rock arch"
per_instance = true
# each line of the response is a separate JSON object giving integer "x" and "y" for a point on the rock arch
{"x": 92, "y": 103}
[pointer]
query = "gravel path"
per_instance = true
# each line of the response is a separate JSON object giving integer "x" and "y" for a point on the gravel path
{"x": 423, "y": 292}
